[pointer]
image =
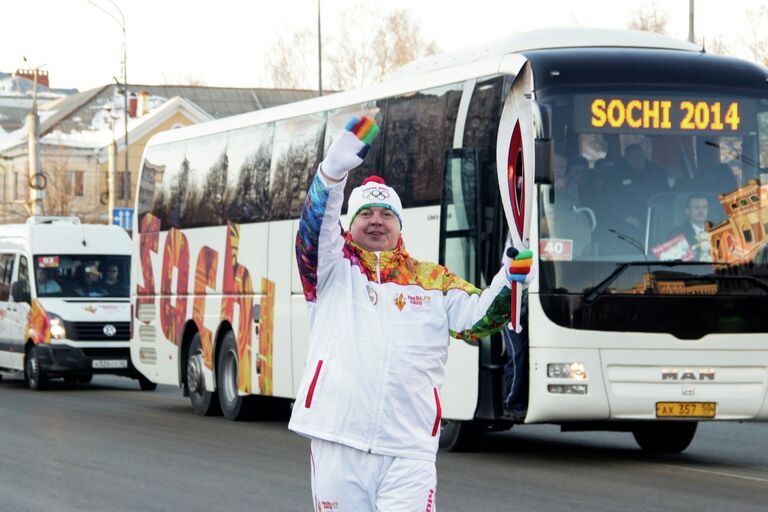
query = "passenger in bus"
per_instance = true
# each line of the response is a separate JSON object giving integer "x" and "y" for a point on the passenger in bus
{"x": 380, "y": 324}
{"x": 112, "y": 282}
{"x": 694, "y": 228}
{"x": 91, "y": 282}
{"x": 45, "y": 283}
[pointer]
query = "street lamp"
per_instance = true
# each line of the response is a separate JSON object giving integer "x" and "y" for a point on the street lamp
{"x": 121, "y": 22}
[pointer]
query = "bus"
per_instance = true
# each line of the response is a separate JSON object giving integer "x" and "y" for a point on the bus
{"x": 633, "y": 164}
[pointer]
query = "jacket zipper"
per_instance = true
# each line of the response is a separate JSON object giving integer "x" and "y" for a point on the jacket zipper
{"x": 386, "y": 359}
{"x": 438, "y": 413}
{"x": 311, "y": 391}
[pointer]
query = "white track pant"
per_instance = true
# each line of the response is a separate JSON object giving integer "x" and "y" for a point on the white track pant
{"x": 348, "y": 480}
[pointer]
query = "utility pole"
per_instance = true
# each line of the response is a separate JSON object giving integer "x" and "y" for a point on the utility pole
{"x": 36, "y": 180}
{"x": 111, "y": 169}
{"x": 691, "y": 35}
{"x": 126, "y": 174}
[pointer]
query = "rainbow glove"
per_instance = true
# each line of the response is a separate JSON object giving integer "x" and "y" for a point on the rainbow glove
{"x": 349, "y": 148}
{"x": 520, "y": 265}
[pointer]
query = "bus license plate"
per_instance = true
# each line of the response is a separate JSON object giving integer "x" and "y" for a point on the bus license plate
{"x": 686, "y": 409}
{"x": 110, "y": 363}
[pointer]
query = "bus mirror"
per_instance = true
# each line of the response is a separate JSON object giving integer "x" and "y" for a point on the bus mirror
{"x": 543, "y": 161}
{"x": 20, "y": 292}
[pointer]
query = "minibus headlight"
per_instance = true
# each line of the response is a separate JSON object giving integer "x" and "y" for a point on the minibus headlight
{"x": 576, "y": 371}
{"x": 58, "y": 331}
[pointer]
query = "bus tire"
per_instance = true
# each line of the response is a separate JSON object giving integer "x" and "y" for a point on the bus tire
{"x": 204, "y": 402}
{"x": 665, "y": 437}
{"x": 145, "y": 384}
{"x": 233, "y": 406}
{"x": 458, "y": 436}
{"x": 84, "y": 379}
{"x": 33, "y": 373}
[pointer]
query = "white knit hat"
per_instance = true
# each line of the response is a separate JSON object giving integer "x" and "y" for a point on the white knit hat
{"x": 374, "y": 192}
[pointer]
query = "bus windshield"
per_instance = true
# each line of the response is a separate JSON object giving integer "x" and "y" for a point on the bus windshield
{"x": 82, "y": 275}
{"x": 671, "y": 183}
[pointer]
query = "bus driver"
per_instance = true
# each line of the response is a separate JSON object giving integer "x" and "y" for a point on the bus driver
{"x": 380, "y": 322}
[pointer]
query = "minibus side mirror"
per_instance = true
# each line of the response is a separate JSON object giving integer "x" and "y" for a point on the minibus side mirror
{"x": 542, "y": 125}
{"x": 20, "y": 292}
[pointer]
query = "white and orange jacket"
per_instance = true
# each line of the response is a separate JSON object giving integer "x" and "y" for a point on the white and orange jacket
{"x": 379, "y": 330}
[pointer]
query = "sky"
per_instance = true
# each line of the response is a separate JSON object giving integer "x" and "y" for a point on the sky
{"x": 225, "y": 42}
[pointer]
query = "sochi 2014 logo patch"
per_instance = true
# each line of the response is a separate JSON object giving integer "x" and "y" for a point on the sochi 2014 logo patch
{"x": 400, "y": 301}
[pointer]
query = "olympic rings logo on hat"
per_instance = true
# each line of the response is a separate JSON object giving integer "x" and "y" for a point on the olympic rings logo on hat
{"x": 376, "y": 193}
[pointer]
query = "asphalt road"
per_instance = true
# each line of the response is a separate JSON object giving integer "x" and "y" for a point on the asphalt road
{"x": 109, "y": 447}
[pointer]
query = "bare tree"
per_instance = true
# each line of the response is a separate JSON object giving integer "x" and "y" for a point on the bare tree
{"x": 649, "y": 18}
{"x": 370, "y": 47}
{"x": 58, "y": 191}
{"x": 292, "y": 60}
{"x": 757, "y": 42}
{"x": 717, "y": 46}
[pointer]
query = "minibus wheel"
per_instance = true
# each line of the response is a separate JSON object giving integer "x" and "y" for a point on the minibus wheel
{"x": 33, "y": 373}
{"x": 204, "y": 402}
{"x": 233, "y": 406}
{"x": 665, "y": 437}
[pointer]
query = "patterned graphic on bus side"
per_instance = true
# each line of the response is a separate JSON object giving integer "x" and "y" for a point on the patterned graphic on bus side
{"x": 266, "y": 332}
{"x": 38, "y": 325}
{"x": 149, "y": 240}
{"x": 175, "y": 256}
{"x": 238, "y": 290}
{"x": 205, "y": 277}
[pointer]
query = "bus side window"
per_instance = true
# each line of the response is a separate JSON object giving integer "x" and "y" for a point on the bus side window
{"x": 250, "y": 158}
{"x": 6, "y": 275}
{"x": 296, "y": 153}
{"x": 418, "y": 130}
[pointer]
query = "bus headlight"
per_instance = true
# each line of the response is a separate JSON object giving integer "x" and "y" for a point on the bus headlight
{"x": 58, "y": 331}
{"x": 576, "y": 371}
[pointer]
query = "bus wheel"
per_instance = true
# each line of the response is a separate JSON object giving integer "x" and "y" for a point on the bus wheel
{"x": 33, "y": 373}
{"x": 204, "y": 403}
{"x": 665, "y": 437}
{"x": 458, "y": 436}
{"x": 84, "y": 379}
{"x": 145, "y": 384}
{"x": 233, "y": 406}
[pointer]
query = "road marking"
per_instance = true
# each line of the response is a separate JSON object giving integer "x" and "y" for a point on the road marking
{"x": 718, "y": 473}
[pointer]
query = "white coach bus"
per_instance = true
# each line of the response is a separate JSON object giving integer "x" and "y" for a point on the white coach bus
{"x": 638, "y": 171}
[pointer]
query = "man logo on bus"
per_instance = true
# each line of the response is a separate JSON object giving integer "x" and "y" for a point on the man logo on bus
{"x": 687, "y": 374}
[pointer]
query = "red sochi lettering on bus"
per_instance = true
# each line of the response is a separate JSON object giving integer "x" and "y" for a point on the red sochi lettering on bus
{"x": 430, "y": 500}
{"x": 205, "y": 277}
{"x": 174, "y": 312}
{"x": 149, "y": 239}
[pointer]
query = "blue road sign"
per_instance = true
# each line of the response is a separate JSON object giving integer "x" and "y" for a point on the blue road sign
{"x": 123, "y": 217}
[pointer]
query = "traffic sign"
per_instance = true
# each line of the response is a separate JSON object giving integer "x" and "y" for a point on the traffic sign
{"x": 123, "y": 217}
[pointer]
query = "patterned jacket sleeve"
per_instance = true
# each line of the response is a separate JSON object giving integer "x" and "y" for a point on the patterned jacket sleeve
{"x": 319, "y": 240}
{"x": 474, "y": 313}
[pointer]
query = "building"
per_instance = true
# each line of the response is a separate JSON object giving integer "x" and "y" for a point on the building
{"x": 76, "y": 131}
{"x": 745, "y": 231}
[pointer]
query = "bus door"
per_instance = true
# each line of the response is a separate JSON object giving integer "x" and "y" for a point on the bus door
{"x": 458, "y": 252}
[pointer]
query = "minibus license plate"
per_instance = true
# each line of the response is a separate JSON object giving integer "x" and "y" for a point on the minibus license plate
{"x": 686, "y": 409}
{"x": 110, "y": 363}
